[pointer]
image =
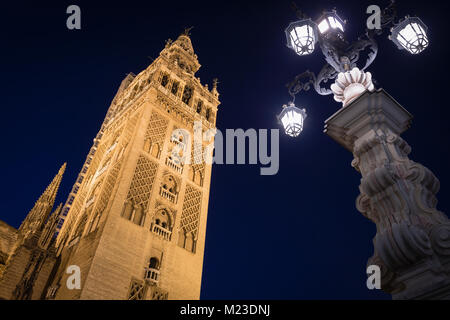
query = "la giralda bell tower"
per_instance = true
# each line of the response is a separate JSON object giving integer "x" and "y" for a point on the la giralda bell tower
{"x": 135, "y": 220}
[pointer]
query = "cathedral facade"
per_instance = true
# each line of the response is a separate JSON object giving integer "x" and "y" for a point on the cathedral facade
{"x": 134, "y": 223}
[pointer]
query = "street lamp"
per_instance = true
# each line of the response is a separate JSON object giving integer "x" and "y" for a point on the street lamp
{"x": 302, "y": 36}
{"x": 345, "y": 63}
{"x": 292, "y": 119}
{"x": 330, "y": 21}
{"x": 411, "y": 245}
{"x": 410, "y": 34}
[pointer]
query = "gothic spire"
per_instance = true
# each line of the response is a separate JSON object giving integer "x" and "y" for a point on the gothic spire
{"x": 44, "y": 205}
{"x": 51, "y": 191}
{"x": 49, "y": 231}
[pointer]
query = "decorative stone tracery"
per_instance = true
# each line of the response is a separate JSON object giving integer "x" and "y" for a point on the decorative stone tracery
{"x": 190, "y": 218}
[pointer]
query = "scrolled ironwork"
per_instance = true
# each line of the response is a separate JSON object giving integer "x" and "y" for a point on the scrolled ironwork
{"x": 341, "y": 56}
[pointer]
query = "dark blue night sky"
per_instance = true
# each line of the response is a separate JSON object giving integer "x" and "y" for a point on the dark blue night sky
{"x": 295, "y": 235}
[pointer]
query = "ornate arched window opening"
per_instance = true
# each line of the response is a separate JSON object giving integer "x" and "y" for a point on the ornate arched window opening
{"x": 155, "y": 150}
{"x": 199, "y": 106}
{"x": 152, "y": 271}
{"x": 174, "y": 89}
{"x": 169, "y": 188}
{"x": 187, "y": 240}
{"x": 162, "y": 224}
{"x": 164, "y": 80}
{"x": 187, "y": 95}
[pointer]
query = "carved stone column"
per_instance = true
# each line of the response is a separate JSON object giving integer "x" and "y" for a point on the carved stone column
{"x": 412, "y": 243}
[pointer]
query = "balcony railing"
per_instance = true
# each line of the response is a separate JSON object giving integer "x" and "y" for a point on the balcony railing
{"x": 152, "y": 275}
{"x": 173, "y": 165}
{"x": 168, "y": 195}
{"x": 160, "y": 231}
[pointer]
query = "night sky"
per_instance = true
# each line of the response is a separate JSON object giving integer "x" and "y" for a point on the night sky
{"x": 294, "y": 235}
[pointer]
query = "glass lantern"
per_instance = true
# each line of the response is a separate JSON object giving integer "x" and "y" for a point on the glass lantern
{"x": 330, "y": 21}
{"x": 302, "y": 36}
{"x": 292, "y": 119}
{"x": 411, "y": 35}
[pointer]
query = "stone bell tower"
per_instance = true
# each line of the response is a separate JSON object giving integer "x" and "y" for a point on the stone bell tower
{"x": 135, "y": 220}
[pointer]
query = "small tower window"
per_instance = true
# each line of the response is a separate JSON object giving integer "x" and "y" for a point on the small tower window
{"x": 174, "y": 89}
{"x": 199, "y": 106}
{"x": 187, "y": 94}
{"x": 208, "y": 114}
{"x": 154, "y": 264}
{"x": 164, "y": 80}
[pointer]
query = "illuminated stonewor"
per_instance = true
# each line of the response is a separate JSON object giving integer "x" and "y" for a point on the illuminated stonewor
{"x": 137, "y": 224}
{"x": 135, "y": 220}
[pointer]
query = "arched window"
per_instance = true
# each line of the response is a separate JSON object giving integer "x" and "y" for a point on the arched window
{"x": 138, "y": 215}
{"x": 162, "y": 224}
{"x": 191, "y": 174}
{"x": 164, "y": 80}
{"x": 155, "y": 150}
{"x": 181, "y": 238}
{"x": 147, "y": 145}
{"x": 198, "y": 178}
{"x": 170, "y": 184}
{"x": 162, "y": 218}
{"x": 187, "y": 240}
{"x": 199, "y": 106}
{"x": 187, "y": 95}
{"x": 153, "y": 263}
{"x": 128, "y": 210}
{"x": 189, "y": 244}
{"x": 174, "y": 89}
{"x": 134, "y": 213}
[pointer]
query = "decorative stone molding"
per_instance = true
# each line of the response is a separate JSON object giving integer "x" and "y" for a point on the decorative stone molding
{"x": 412, "y": 243}
{"x": 350, "y": 85}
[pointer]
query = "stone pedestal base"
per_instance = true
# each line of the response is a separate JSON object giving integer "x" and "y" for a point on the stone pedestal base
{"x": 412, "y": 243}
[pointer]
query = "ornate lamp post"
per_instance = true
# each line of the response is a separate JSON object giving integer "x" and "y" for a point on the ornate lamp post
{"x": 412, "y": 243}
{"x": 342, "y": 57}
